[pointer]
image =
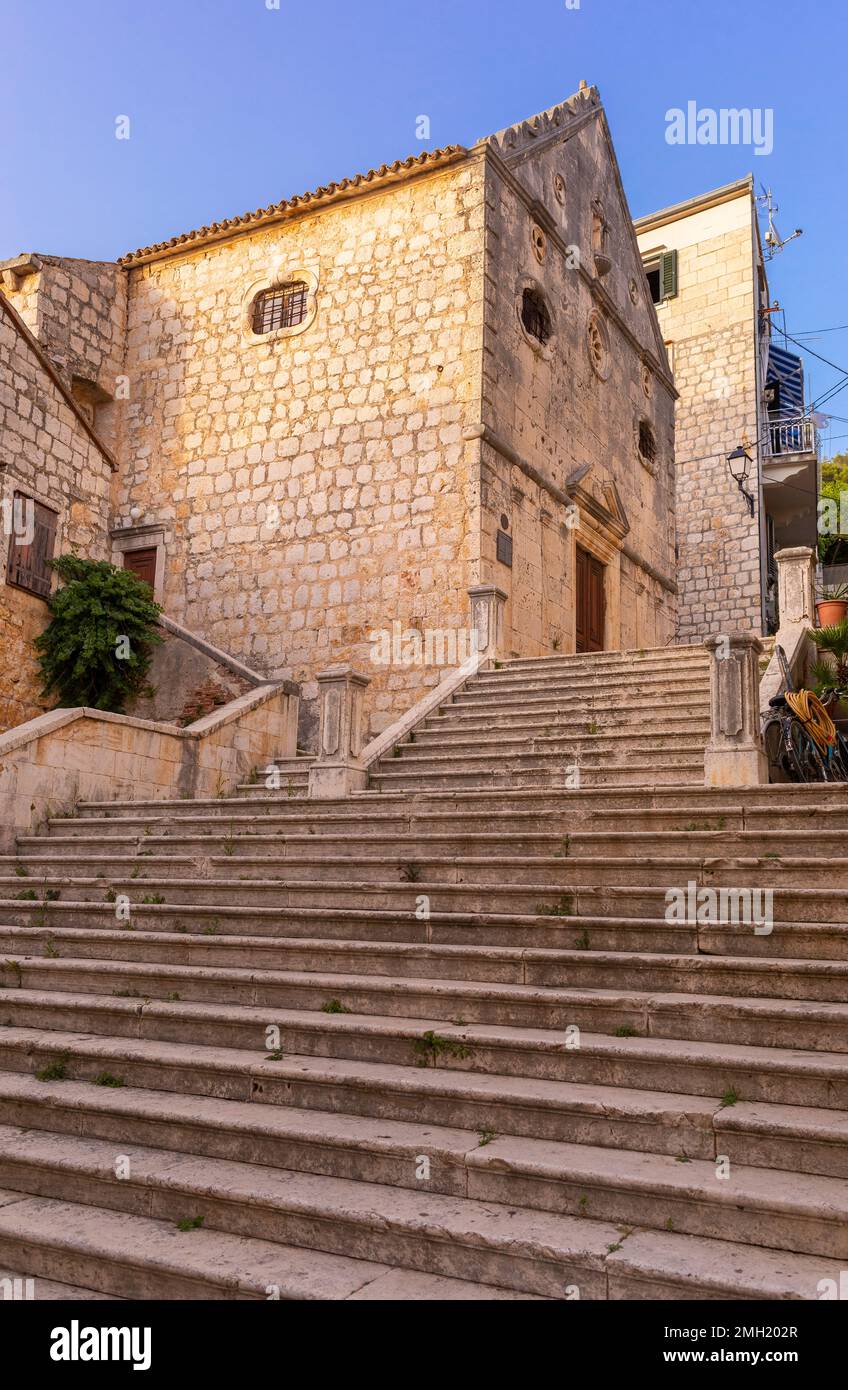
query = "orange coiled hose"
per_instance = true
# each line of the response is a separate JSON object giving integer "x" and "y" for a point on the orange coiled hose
{"x": 809, "y": 709}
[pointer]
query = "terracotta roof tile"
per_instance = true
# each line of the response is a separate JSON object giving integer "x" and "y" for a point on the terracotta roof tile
{"x": 331, "y": 192}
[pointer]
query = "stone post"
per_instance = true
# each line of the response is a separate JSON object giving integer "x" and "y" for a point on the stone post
{"x": 734, "y": 756}
{"x": 796, "y": 586}
{"x": 338, "y": 770}
{"x": 487, "y": 610}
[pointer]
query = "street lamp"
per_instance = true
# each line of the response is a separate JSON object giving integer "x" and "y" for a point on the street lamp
{"x": 739, "y": 464}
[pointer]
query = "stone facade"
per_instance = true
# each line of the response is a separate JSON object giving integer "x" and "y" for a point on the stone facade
{"x": 311, "y": 487}
{"x": 49, "y": 453}
{"x": 718, "y": 351}
{"x": 571, "y": 473}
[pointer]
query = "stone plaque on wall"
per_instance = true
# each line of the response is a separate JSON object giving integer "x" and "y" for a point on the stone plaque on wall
{"x": 505, "y": 548}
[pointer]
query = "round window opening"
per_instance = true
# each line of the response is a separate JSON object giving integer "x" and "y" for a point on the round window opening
{"x": 535, "y": 316}
{"x": 284, "y": 306}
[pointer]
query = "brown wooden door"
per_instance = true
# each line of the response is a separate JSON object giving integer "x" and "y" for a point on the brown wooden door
{"x": 590, "y": 603}
{"x": 142, "y": 563}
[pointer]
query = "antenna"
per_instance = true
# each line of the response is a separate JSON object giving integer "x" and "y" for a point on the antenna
{"x": 773, "y": 240}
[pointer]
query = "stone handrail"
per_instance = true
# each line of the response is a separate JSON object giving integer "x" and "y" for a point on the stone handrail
{"x": 53, "y": 762}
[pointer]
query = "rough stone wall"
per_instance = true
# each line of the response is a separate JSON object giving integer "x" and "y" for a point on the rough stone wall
{"x": 186, "y": 684}
{"x": 77, "y": 311}
{"x": 711, "y": 326}
{"x": 554, "y": 410}
{"x": 314, "y": 488}
{"x": 45, "y": 452}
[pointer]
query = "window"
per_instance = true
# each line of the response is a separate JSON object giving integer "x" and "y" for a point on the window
{"x": 661, "y": 274}
{"x": 535, "y": 316}
{"x": 282, "y": 307}
{"x": 32, "y": 546}
{"x": 647, "y": 442}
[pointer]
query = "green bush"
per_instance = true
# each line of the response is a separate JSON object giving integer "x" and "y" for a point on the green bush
{"x": 98, "y": 646}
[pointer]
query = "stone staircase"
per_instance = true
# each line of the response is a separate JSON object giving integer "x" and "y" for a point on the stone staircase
{"x": 436, "y": 1045}
{"x": 620, "y": 718}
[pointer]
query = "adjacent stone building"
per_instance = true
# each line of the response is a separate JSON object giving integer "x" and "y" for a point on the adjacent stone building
{"x": 705, "y": 266}
{"x": 332, "y": 417}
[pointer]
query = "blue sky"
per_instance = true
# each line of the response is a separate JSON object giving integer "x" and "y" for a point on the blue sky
{"x": 234, "y": 105}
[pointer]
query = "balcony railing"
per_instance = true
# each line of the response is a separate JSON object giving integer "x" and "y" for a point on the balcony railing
{"x": 796, "y": 436}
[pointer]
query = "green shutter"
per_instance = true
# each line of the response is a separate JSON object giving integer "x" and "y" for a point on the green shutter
{"x": 669, "y": 274}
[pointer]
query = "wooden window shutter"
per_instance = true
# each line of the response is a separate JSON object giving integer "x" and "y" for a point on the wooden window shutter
{"x": 669, "y": 274}
{"x": 29, "y": 564}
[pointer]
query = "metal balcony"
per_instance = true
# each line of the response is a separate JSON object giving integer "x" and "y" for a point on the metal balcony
{"x": 795, "y": 436}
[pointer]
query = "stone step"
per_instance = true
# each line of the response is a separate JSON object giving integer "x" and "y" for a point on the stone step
{"x": 820, "y": 980}
{"x": 147, "y": 1259}
{"x": 814, "y": 1025}
{"x": 676, "y": 770}
{"x": 798, "y": 800}
{"x": 485, "y": 1077}
{"x": 381, "y": 1149}
{"x": 673, "y": 657}
{"x": 137, "y": 1257}
{"x": 455, "y": 720}
{"x": 611, "y": 744}
{"x": 377, "y": 1149}
{"x": 483, "y": 1237}
{"x": 48, "y": 1290}
{"x": 804, "y": 940}
{"x": 37, "y": 854}
{"x": 545, "y": 734}
{"x": 560, "y": 891}
{"x": 657, "y": 687}
{"x": 620, "y": 708}
{"x": 409, "y": 864}
{"x": 478, "y": 1241}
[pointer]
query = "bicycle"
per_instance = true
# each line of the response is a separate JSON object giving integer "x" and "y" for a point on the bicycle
{"x": 799, "y": 747}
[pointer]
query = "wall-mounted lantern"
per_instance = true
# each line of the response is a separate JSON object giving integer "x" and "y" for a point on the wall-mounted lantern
{"x": 739, "y": 465}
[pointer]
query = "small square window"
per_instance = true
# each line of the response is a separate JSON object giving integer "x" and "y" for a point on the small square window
{"x": 282, "y": 307}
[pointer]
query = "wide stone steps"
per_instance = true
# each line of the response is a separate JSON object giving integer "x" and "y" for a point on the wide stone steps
{"x": 560, "y": 889}
{"x": 528, "y": 770}
{"x": 753, "y": 977}
{"x": 40, "y": 854}
{"x": 673, "y": 658}
{"x": 137, "y": 1257}
{"x": 394, "y": 1067}
{"x": 582, "y": 738}
{"x": 547, "y": 872}
{"x": 814, "y": 1025}
{"x": 480, "y": 1234}
{"x": 453, "y": 1037}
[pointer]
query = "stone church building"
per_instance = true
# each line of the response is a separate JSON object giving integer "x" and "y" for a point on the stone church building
{"x": 331, "y": 418}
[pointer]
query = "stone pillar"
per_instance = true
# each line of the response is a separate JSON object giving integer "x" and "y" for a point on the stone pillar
{"x": 734, "y": 756}
{"x": 338, "y": 770}
{"x": 487, "y": 609}
{"x": 796, "y": 586}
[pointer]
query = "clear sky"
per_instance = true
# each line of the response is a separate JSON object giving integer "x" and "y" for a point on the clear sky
{"x": 234, "y": 104}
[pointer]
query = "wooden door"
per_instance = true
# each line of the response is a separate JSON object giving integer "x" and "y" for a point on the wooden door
{"x": 590, "y": 603}
{"x": 142, "y": 563}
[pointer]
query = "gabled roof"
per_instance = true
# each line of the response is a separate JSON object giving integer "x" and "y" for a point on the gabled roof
{"x": 387, "y": 174}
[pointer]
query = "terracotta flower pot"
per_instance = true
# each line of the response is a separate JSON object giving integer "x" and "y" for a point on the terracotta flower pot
{"x": 831, "y": 611}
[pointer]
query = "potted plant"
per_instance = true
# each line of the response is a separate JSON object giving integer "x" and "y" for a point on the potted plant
{"x": 829, "y": 674}
{"x": 832, "y": 606}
